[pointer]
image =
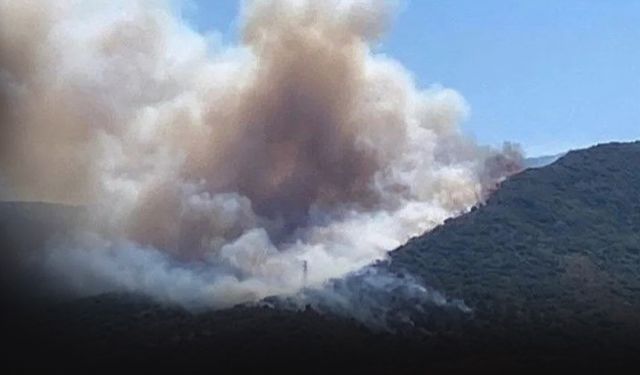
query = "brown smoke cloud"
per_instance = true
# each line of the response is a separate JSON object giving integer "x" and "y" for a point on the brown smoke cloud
{"x": 298, "y": 144}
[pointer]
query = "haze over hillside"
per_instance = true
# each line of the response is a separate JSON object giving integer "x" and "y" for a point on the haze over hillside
{"x": 548, "y": 267}
{"x": 295, "y": 198}
{"x": 541, "y": 161}
{"x": 212, "y": 175}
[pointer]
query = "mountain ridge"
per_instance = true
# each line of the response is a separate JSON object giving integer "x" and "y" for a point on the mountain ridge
{"x": 548, "y": 266}
{"x": 561, "y": 237}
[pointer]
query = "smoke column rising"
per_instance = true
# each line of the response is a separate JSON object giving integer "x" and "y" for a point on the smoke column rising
{"x": 213, "y": 172}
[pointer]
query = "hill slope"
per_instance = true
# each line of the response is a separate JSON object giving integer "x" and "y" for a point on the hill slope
{"x": 554, "y": 246}
{"x": 550, "y": 265}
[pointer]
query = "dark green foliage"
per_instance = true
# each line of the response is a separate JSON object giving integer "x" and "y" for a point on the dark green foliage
{"x": 550, "y": 266}
{"x": 558, "y": 245}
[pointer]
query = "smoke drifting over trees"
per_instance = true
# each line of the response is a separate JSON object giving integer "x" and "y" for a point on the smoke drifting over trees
{"x": 212, "y": 173}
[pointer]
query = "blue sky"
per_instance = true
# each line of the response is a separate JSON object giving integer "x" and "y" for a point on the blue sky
{"x": 548, "y": 74}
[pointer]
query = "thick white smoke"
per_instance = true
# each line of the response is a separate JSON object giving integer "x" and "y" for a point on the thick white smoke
{"x": 213, "y": 173}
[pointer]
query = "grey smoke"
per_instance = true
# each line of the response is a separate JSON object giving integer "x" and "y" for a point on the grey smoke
{"x": 213, "y": 173}
{"x": 376, "y": 297}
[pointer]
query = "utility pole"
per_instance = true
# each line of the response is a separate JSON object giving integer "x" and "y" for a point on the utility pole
{"x": 305, "y": 270}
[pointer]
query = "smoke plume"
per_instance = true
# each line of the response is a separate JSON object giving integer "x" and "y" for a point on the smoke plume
{"x": 214, "y": 173}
